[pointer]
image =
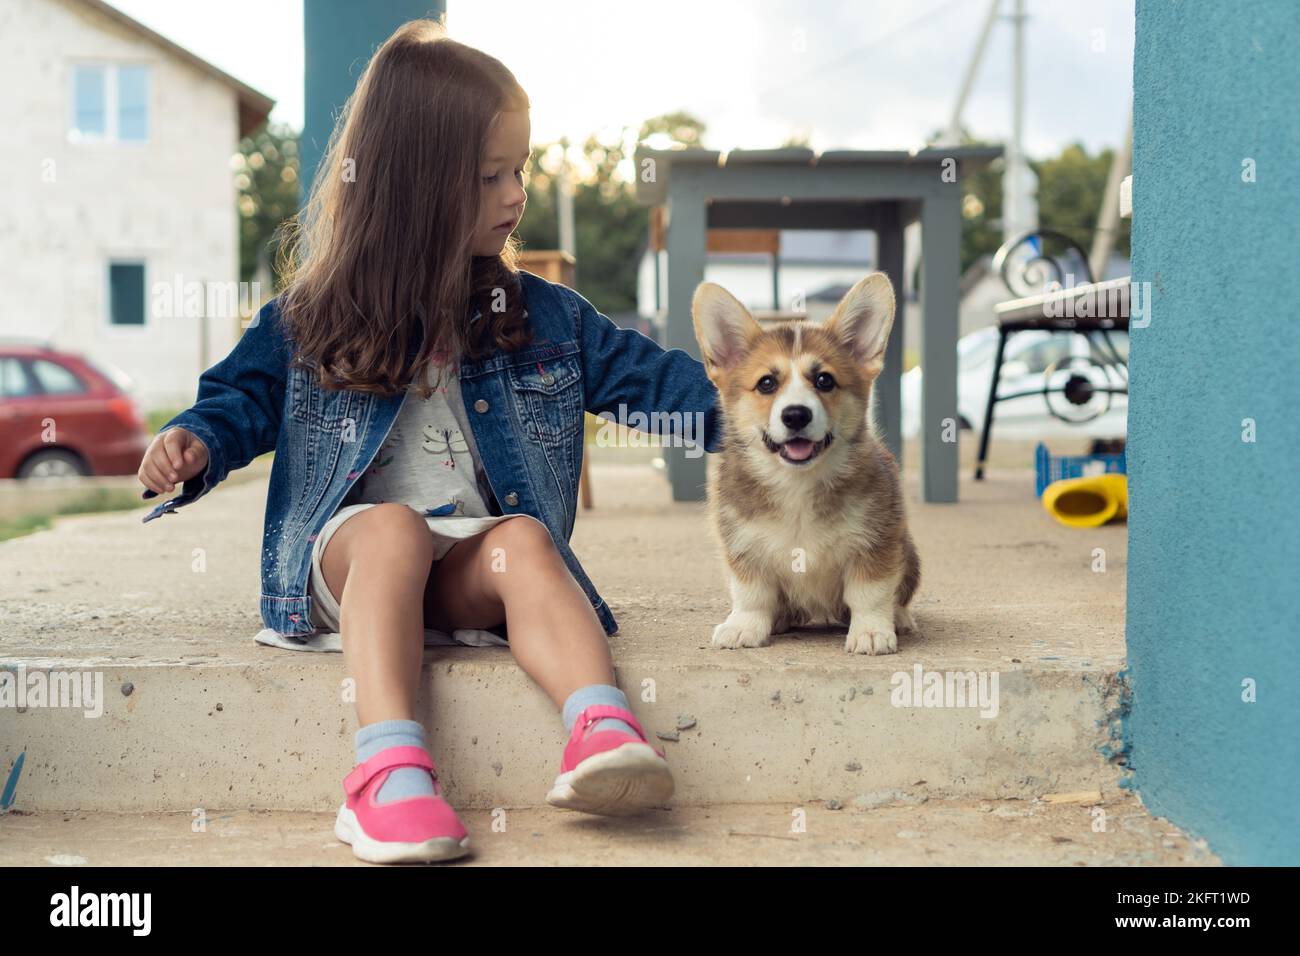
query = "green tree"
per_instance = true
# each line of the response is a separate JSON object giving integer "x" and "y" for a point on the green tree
{"x": 1071, "y": 186}
{"x": 266, "y": 175}
{"x": 981, "y": 213}
{"x": 610, "y": 225}
{"x": 610, "y": 228}
{"x": 681, "y": 128}
{"x": 540, "y": 228}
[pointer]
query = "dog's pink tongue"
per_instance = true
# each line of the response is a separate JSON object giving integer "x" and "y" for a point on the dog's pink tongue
{"x": 798, "y": 448}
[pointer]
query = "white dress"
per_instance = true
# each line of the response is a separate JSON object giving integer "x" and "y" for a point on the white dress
{"x": 430, "y": 462}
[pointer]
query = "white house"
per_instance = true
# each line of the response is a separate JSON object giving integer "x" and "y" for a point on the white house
{"x": 118, "y": 219}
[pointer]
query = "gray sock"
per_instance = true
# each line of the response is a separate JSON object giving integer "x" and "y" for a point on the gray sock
{"x": 403, "y": 782}
{"x": 584, "y": 697}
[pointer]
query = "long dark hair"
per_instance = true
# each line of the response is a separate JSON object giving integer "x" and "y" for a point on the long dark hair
{"x": 379, "y": 272}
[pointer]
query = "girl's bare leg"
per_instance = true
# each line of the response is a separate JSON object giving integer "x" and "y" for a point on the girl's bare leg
{"x": 513, "y": 573}
{"x": 378, "y": 564}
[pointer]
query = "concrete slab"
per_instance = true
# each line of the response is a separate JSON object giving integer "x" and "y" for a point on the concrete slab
{"x": 169, "y": 609}
{"x": 961, "y": 833}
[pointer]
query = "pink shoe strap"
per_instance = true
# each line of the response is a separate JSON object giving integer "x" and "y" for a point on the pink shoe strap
{"x": 599, "y": 712}
{"x": 388, "y": 759}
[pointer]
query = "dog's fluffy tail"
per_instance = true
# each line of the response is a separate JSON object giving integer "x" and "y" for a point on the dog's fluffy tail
{"x": 911, "y": 571}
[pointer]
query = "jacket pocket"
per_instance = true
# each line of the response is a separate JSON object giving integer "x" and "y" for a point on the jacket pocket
{"x": 548, "y": 394}
{"x": 328, "y": 410}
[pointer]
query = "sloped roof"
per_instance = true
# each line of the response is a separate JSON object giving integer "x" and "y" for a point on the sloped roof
{"x": 254, "y": 107}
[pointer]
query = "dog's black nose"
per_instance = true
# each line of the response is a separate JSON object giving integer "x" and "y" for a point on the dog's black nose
{"x": 795, "y": 417}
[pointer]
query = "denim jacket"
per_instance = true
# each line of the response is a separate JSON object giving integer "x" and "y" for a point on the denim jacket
{"x": 525, "y": 409}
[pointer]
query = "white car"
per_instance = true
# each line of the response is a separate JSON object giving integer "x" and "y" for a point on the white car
{"x": 1027, "y": 357}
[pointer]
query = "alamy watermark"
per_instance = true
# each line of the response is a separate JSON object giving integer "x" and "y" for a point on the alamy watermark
{"x": 74, "y": 690}
{"x": 1091, "y": 300}
{"x": 675, "y": 430}
{"x": 195, "y": 299}
{"x": 130, "y": 910}
{"x": 922, "y": 688}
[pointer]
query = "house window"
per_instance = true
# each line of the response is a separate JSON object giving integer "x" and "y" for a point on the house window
{"x": 133, "y": 103}
{"x": 88, "y": 119}
{"x": 110, "y": 103}
{"x": 126, "y": 293}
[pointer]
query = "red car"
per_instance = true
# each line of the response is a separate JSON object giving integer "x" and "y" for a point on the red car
{"x": 62, "y": 415}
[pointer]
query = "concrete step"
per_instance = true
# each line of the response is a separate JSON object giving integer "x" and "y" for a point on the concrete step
{"x": 195, "y": 714}
{"x": 275, "y": 734}
{"x": 948, "y": 833}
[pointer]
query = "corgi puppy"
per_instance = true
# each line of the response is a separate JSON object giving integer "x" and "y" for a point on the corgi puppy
{"x": 806, "y": 501}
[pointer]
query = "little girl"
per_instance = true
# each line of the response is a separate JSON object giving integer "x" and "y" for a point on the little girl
{"x": 450, "y": 519}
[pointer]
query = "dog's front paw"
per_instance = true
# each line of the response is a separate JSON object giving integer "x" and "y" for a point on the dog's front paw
{"x": 743, "y": 630}
{"x": 874, "y": 636}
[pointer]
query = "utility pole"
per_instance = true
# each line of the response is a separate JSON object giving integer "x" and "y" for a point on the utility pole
{"x": 564, "y": 203}
{"x": 953, "y": 135}
{"x": 1103, "y": 241}
{"x": 1019, "y": 210}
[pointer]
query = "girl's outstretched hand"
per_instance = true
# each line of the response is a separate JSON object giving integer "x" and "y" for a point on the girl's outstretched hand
{"x": 173, "y": 456}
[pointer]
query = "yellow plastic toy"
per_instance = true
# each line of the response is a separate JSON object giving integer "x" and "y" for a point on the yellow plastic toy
{"x": 1087, "y": 502}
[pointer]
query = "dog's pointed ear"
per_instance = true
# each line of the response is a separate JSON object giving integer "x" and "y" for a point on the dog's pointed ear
{"x": 863, "y": 319}
{"x": 723, "y": 327}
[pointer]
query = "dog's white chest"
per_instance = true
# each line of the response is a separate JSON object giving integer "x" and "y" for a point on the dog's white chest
{"x": 805, "y": 556}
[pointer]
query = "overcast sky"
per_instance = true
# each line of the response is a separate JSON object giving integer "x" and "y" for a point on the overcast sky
{"x": 846, "y": 73}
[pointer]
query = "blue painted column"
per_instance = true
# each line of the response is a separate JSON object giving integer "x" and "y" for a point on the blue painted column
{"x": 339, "y": 37}
{"x": 1214, "y": 425}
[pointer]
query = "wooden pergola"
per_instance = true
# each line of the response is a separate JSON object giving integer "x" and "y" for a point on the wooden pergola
{"x": 884, "y": 191}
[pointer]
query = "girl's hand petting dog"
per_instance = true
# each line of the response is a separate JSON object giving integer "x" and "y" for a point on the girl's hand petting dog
{"x": 173, "y": 456}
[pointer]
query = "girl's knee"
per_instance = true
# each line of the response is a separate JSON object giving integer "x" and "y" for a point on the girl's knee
{"x": 522, "y": 533}
{"x": 396, "y": 531}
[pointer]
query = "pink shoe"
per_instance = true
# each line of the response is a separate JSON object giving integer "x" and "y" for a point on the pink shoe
{"x": 413, "y": 830}
{"x": 610, "y": 772}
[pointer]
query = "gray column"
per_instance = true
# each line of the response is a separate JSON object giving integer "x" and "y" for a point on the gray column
{"x": 686, "y": 252}
{"x": 940, "y": 265}
{"x": 887, "y": 393}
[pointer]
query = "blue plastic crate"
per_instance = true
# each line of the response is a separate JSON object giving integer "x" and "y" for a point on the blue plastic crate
{"x": 1052, "y": 468}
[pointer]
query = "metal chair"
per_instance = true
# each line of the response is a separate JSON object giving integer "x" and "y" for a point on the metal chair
{"x": 1048, "y": 300}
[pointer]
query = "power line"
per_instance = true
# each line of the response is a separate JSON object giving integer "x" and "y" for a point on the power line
{"x": 851, "y": 54}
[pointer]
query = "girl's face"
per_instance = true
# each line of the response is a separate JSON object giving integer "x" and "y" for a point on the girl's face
{"x": 503, "y": 171}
